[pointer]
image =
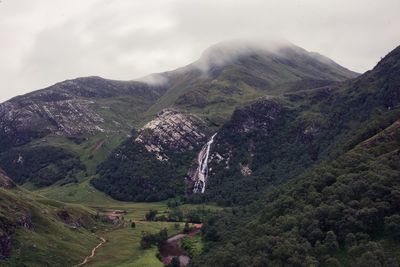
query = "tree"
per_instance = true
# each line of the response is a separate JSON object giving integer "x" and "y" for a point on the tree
{"x": 330, "y": 242}
{"x": 392, "y": 226}
{"x": 153, "y": 239}
{"x": 186, "y": 229}
{"x": 332, "y": 262}
{"x": 350, "y": 240}
{"x": 151, "y": 215}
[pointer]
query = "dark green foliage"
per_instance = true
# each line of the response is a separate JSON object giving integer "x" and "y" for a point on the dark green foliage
{"x": 174, "y": 262}
{"x": 158, "y": 239}
{"x": 338, "y": 211}
{"x": 280, "y": 138}
{"x": 173, "y": 203}
{"x": 344, "y": 204}
{"x": 392, "y": 225}
{"x": 41, "y": 166}
{"x": 186, "y": 229}
{"x": 151, "y": 215}
{"x": 133, "y": 174}
{"x": 187, "y": 245}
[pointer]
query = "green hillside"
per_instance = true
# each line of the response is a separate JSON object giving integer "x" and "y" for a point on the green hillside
{"x": 338, "y": 150}
{"x": 36, "y": 231}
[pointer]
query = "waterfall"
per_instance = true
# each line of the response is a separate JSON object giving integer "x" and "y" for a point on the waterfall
{"x": 202, "y": 168}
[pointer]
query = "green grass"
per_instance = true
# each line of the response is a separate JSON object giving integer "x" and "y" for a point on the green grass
{"x": 81, "y": 192}
{"x": 192, "y": 245}
{"x": 51, "y": 241}
{"x": 123, "y": 246}
{"x": 54, "y": 243}
{"x": 89, "y": 156}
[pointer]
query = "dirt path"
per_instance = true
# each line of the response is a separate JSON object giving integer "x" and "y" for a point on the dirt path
{"x": 97, "y": 146}
{"x": 93, "y": 252}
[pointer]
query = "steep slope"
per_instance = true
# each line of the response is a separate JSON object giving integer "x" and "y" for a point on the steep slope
{"x": 343, "y": 213}
{"x": 35, "y": 231}
{"x": 227, "y": 76}
{"x": 231, "y": 73}
{"x": 340, "y": 207}
{"x": 275, "y": 139}
{"x": 74, "y": 108}
{"x": 48, "y": 135}
{"x": 151, "y": 165}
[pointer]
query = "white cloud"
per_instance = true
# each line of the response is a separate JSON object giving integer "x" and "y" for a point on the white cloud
{"x": 46, "y": 41}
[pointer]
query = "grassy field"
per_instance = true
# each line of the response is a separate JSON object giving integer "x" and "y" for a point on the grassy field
{"x": 123, "y": 245}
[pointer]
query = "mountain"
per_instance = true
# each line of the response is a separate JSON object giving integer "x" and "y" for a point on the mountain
{"x": 83, "y": 106}
{"x": 304, "y": 153}
{"x": 227, "y": 76}
{"x": 317, "y": 174}
{"x": 83, "y": 120}
{"x": 277, "y": 138}
{"x": 342, "y": 213}
{"x": 55, "y": 133}
{"x": 231, "y": 73}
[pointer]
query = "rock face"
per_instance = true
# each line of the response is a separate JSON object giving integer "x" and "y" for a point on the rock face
{"x": 69, "y": 108}
{"x": 256, "y": 121}
{"x": 171, "y": 130}
{"x": 65, "y": 117}
{"x": 260, "y": 116}
{"x": 152, "y": 165}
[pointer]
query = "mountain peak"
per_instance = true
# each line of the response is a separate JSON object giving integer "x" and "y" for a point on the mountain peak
{"x": 269, "y": 52}
{"x": 226, "y": 51}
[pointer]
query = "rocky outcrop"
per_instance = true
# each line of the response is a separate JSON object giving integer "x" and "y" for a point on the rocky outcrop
{"x": 5, "y": 181}
{"x": 259, "y": 117}
{"x": 69, "y": 108}
{"x": 66, "y": 117}
{"x": 173, "y": 131}
{"x": 245, "y": 169}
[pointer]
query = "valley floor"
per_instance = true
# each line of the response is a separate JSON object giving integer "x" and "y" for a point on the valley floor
{"x": 122, "y": 246}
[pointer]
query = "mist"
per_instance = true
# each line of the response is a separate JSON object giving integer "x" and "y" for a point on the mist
{"x": 47, "y": 41}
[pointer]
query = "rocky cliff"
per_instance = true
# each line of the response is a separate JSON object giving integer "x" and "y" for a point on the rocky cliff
{"x": 77, "y": 107}
{"x": 173, "y": 131}
{"x": 153, "y": 163}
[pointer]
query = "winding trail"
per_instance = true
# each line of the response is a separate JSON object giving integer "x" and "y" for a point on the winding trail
{"x": 103, "y": 241}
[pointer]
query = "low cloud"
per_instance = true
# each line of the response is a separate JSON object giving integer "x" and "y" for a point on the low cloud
{"x": 47, "y": 41}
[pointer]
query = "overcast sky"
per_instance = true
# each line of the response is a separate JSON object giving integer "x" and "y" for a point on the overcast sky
{"x": 47, "y": 41}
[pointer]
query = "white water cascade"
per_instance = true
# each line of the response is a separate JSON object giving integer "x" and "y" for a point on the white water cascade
{"x": 202, "y": 169}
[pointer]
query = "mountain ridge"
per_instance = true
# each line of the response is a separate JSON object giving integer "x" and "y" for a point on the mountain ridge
{"x": 85, "y": 111}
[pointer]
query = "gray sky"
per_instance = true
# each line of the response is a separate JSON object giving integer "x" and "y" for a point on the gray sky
{"x": 47, "y": 41}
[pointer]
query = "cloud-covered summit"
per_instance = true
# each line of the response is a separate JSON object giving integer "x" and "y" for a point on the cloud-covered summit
{"x": 47, "y": 41}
